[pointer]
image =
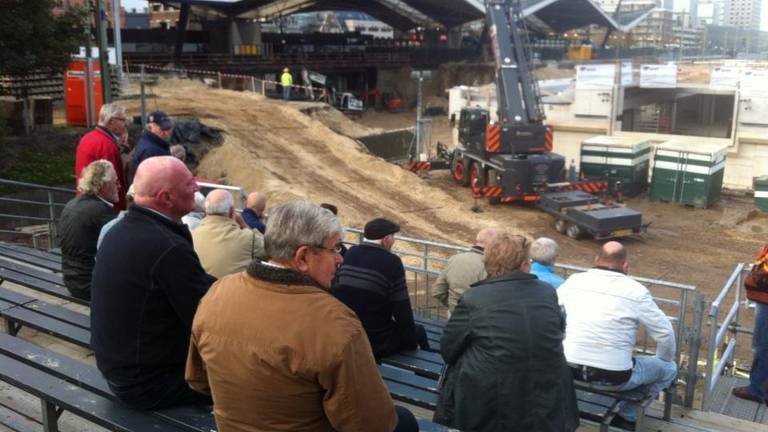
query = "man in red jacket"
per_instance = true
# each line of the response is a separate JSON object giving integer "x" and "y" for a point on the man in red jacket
{"x": 104, "y": 143}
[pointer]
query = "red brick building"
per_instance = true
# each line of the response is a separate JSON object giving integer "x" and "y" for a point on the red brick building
{"x": 61, "y": 5}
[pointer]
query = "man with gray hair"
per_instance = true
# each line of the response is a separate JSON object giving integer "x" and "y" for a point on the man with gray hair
{"x": 222, "y": 245}
{"x": 544, "y": 253}
{"x": 81, "y": 222}
{"x": 462, "y": 270}
{"x": 106, "y": 142}
{"x": 277, "y": 351}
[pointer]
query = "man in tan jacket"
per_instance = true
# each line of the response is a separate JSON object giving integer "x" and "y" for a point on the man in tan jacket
{"x": 462, "y": 270}
{"x": 222, "y": 244}
{"x": 278, "y": 352}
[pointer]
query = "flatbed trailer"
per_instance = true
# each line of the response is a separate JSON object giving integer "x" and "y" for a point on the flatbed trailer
{"x": 578, "y": 213}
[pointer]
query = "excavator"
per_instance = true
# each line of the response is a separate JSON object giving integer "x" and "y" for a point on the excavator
{"x": 510, "y": 158}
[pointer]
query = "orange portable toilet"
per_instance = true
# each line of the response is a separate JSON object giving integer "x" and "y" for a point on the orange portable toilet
{"x": 75, "y": 95}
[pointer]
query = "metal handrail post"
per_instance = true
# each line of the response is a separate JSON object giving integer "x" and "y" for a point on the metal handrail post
{"x": 426, "y": 277}
{"x": 694, "y": 346}
{"x": 52, "y": 237}
{"x": 711, "y": 349}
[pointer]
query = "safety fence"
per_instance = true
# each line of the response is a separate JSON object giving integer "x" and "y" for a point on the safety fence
{"x": 32, "y": 205}
{"x": 230, "y": 81}
{"x": 723, "y": 335}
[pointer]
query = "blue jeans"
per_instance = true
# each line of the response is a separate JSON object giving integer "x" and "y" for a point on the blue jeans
{"x": 758, "y": 375}
{"x": 652, "y": 372}
{"x": 287, "y": 92}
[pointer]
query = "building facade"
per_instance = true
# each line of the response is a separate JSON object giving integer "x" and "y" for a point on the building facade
{"x": 59, "y": 6}
{"x": 743, "y": 14}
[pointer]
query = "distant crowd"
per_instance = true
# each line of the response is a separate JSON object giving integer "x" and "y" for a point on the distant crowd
{"x": 267, "y": 316}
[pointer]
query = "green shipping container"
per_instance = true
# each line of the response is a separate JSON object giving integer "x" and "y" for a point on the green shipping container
{"x": 688, "y": 173}
{"x": 761, "y": 193}
{"x": 621, "y": 160}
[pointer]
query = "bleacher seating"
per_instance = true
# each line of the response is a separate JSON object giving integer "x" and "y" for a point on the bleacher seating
{"x": 410, "y": 376}
{"x": 19, "y": 310}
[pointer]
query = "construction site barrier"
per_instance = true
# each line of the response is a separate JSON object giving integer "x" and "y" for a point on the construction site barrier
{"x": 256, "y": 85}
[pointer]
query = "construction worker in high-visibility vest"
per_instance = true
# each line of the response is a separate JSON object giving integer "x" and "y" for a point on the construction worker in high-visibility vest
{"x": 286, "y": 79}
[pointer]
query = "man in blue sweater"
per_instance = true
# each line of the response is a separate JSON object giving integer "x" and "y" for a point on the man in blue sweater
{"x": 371, "y": 282}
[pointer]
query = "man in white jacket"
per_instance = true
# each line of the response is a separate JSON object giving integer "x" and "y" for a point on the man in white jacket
{"x": 604, "y": 308}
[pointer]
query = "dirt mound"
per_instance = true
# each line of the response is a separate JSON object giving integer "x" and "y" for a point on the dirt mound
{"x": 274, "y": 147}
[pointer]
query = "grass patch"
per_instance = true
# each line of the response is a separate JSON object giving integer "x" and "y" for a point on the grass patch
{"x": 40, "y": 167}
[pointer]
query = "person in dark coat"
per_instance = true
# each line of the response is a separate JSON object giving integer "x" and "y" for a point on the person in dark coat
{"x": 146, "y": 286}
{"x": 81, "y": 222}
{"x": 253, "y": 213}
{"x": 153, "y": 141}
{"x": 504, "y": 351}
{"x": 371, "y": 282}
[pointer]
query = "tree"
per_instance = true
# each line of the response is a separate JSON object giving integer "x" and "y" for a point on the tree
{"x": 34, "y": 40}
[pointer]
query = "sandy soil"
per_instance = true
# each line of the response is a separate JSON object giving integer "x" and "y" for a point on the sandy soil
{"x": 274, "y": 147}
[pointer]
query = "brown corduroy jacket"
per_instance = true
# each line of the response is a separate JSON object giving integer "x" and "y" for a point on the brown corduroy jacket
{"x": 279, "y": 353}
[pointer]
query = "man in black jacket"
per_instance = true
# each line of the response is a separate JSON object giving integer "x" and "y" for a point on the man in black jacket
{"x": 80, "y": 224}
{"x": 154, "y": 141}
{"x": 146, "y": 287}
{"x": 372, "y": 283}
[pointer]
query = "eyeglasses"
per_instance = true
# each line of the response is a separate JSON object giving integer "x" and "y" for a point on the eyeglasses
{"x": 336, "y": 249}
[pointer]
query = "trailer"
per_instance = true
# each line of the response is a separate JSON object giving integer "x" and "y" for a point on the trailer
{"x": 578, "y": 213}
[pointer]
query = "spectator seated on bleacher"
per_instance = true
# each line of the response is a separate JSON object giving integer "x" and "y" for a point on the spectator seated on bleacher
{"x": 223, "y": 245}
{"x": 193, "y": 218}
{"x": 146, "y": 286}
{"x": 253, "y": 213}
{"x": 544, "y": 253}
{"x": 462, "y": 270}
{"x": 81, "y": 222}
{"x": 277, "y": 351}
{"x": 604, "y": 307}
{"x": 503, "y": 348}
{"x": 372, "y": 283}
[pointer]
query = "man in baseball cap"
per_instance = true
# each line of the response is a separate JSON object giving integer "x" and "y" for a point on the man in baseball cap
{"x": 154, "y": 141}
{"x": 371, "y": 281}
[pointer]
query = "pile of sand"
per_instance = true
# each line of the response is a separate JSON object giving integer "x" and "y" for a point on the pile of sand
{"x": 273, "y": 147}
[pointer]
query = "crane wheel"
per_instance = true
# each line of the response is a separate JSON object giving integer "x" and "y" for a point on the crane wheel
{"x": 459, "y": 171}
{"x": 477, "y": 178}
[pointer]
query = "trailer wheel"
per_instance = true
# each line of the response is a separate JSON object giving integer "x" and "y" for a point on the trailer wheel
{"x": 561, "y": 226}
{"x": 574, "y": 231}
{"x": 477, "y": 178}
{"x": 459, "y": 170}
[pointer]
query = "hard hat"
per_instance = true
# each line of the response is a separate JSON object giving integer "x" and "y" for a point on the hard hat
{"x": 285, "y": 69}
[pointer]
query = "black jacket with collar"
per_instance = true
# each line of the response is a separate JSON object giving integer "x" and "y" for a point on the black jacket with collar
{"x": 78, "y": 229}
{"x": 507, "y": 370}
{"x": 145, "y": 290}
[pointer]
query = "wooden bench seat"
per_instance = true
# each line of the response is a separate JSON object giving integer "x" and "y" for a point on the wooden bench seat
{"x": 30, "y": 256}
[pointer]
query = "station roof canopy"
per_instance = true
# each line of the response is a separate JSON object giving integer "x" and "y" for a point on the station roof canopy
{"x": 545, "y": 15}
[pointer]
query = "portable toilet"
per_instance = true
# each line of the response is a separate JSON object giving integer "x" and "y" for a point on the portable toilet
{"x": 688, "y": 173}
{"x": 760, "y": 186}
{"x": 621, "y": 160}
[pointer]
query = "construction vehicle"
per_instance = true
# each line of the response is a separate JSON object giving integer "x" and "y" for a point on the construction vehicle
{"x": 510, "y": 158}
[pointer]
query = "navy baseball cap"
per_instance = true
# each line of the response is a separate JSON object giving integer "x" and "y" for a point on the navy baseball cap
{"x": 161, "y": 119}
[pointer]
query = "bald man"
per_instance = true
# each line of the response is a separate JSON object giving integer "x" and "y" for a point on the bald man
{"x": 222, "y": 245}
{"x": 145, "y": 289}
{"x": 604, "y": 308}
{"x": 462, "y": 270}
{"x": 253, "y": 214}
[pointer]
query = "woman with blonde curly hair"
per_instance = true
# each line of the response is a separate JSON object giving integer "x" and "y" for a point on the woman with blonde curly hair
{"x": 503, "y": 347}
{"x": 82, "y": 220}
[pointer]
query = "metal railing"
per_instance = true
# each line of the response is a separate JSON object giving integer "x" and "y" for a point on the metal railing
{"x": 720, "y": 353}
{"x": 50, "y": 203}
{"x": 424, "y": 260}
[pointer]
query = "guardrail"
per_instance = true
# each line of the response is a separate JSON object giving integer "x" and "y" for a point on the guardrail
{"x": 50, "y": 203}
{"x": 720, "y": 353}
{"x": 423, "y": 260}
